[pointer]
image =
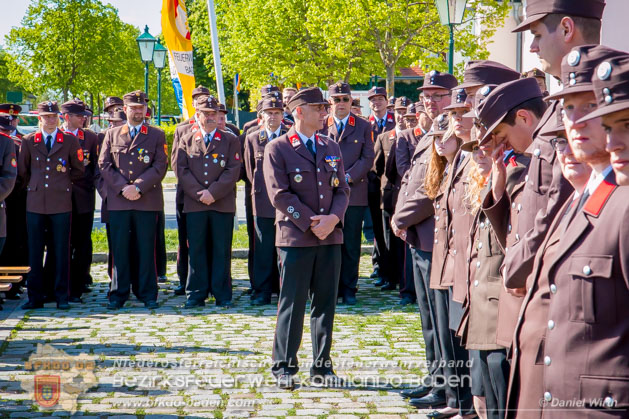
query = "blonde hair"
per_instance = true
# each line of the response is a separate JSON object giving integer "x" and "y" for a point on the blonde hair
{"x": 436, "y": 167}
{"x": 476, "y": 184}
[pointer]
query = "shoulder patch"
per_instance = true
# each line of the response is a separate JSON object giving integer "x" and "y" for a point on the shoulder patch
{"x": 596, "y": 202}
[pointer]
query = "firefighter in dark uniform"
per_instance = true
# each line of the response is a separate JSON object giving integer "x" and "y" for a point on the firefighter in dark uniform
{"x": 83, "y": 199}
{"x": 50, "y": 161}
{"x": 305, "y": 179}
{"x": 133, "y": 162}
{"x": 208, "y": 166}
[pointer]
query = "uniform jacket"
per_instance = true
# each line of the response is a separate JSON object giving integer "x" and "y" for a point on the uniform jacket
{"x": 504, "y": 217}
{"x": 462, "y": 218}
{"x": 385, "y": 168}
{"x": 405, "y": 148}
{"x": 181, "y": 130}
{"x": 141, "y": 161}
{"x": 484, "y": 285}
{"x": 49, "y": 175}
{"x": 545, "y": 192}
{"x": 357, "y": 148}
{"x": 373, "y": 178}
{"x": 414, "y": 211}
{"x": 215, "y": 168}
{"x": 441, "y": 246}
{"x": 8, "y": 174}
{"x": 84, "y": 189}
{"x": 301, "y": 186}
{"x": 253, "y": 158}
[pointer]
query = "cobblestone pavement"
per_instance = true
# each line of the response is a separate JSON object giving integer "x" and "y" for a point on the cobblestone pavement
{"x": 213, "y": 362}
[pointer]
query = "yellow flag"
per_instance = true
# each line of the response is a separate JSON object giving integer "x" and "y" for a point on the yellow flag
{"x": 177, "y": 37}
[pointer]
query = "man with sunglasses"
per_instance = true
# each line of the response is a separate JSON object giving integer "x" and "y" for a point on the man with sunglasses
{"x": 354, "y": 136}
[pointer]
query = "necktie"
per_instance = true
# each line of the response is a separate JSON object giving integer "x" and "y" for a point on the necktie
{"x": 207, "y": 139}
{"x": 381, "y": 124}
{"x": 49, "y": 142}
{"x": 311, "y": 148}
{"x": 134, "y": 132}
{"x": 340, "y": 128}
{"x": 273, "y": 136}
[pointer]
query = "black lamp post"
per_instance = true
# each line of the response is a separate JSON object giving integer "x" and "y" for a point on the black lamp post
{"x": 159, "y": 61}
{"x": 146, "y": 43}
{"x": 451, "y": 13}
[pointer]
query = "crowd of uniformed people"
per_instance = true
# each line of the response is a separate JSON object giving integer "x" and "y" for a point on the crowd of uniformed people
{"x": 500, "y": 210}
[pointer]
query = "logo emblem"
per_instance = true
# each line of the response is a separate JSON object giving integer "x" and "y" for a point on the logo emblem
{"x": 47, "y": 390}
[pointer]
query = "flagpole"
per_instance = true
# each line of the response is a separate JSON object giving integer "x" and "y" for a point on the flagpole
{"x": 217, "y": 56}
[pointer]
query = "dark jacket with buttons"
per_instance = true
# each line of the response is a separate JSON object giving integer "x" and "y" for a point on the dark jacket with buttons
{"x": 8, "y": 174}
{"x": 255, "y": 143}
{"x": 301, "y": 186}
{"x": 405, "y": 148}
{"x": 584, "y": 352}
{"x": 84, "y": 189}
{"x": 141, "y": 161}
{"x": 215, "y": 167}
{"x": 504, "y": 216}
{"x": 49, "y": 175}
{"x": 414, "y": 211}
{"x": 181, "y": 130}
{"x": 357, "y": 147}
{"x": 384, "y": 166}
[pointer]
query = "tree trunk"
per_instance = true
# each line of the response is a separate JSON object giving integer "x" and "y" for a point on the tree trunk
{"x": 391, "y": 80}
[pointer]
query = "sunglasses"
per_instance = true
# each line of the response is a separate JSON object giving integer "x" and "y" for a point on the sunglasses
{"x": 559, "y": 144}
{"x": 344, "y": 99}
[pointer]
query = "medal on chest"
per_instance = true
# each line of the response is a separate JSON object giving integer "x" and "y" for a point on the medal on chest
{"x": 333, "y": 162}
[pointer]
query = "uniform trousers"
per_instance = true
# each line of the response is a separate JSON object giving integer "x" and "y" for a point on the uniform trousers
{"x": 250, "y": 231}
{"x": 57, "y": 227}
{"x": 15, "y": 251}
{"x": 373, "y": 201}
{"x": 81, "y": 252}
{"x": 160, "y": 244}
{"x": 133, "y": 236}
{"x": 265, "y": 262}
{"x": 209, "y": 244}
{"x": 350, "y": 250}
{"x": 407, "y": 283}
{"x": 392, "y": 265}
{"x": 490, "y": 375}
{"x": 454, "y": 358}
{"x": 306, "y": 273}
{"x": 182, "y": 249}
{"x": 422, "y": 262}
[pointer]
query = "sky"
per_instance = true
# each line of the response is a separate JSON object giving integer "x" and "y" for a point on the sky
{"x": 136, "y": 12}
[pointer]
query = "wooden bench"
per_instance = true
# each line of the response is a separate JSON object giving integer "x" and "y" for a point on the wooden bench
{"x": 9, "y": 275}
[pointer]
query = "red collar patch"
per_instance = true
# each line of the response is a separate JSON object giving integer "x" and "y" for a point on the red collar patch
{"x": 59, "y": 137}
{"x": 372, "y": 119}
{"x": 319, "y": 140}
{"x": 330, "y": 121}
{"x": 192, "y": 120}
{"x": 144, "y": 130}
{"x": 217, "y": 135}
{"x": 596, "y": 202}
{"x": 351, "y": 121}
{"x": 294, "y": 140}
{"x": 38, "y": 138}
{"x": 390, "y": 118}
{"x": 418, "y": 132}
{"x": 80, "y": 134}
{"x": 513, "y": 162}
{"x": 392, "y": 134}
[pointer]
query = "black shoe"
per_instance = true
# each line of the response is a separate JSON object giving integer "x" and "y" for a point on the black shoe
{"x": 438, "y": 415}
{"x": 13, "y": 296}
{"x": 388, "y": 286}
{"x": 260, "y": 300}
{"x": 415, "y": 393}
{"x": 406, "y": 301}
{"x": 162, "y": 278}
{"x": 249, "y": 291}
{"x": 31, "y": 305}
{"x": 151, "y": 305}
{"x": 429, "y": 401}
{"x": 379, "y": 282}
{"x": 63, "y": 306}
{"x": 286, "y": 382}
{"x": 86, "y": 290}
{"x": 180, "y": 290}
{"x": 225, "y": 304}
{"x": 329, "y": 380}
{"x": 350, "y": 300}
{"x": 75, "y": 300}
{"x": 194, "y": 303}
{"x": 114, "y": 305}
{"x": 374, "y": 275}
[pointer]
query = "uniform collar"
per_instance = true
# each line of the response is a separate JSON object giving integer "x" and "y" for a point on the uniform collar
{"x": 305, "y": 139}
{"x": 53, "y": 134}
{"x": 203, "y": 133}
{"x": 277, "y": 132}
{"x": 344, "y": 120}
{"x": 75, "y": 132}
{"x": 137, "y": 127}
{"x": 596, "y": 179}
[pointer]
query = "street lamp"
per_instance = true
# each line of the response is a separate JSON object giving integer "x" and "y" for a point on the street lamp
{"x": 451, "y": 13}
{"x": 159, "y": 60}
{"x": 146, "y": 43}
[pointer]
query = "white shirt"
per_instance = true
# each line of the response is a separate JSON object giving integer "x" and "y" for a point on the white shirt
{"x": 596, "y": 179}
{"x": 53, "y": 134}
{"x": 277, "y": 132}
{"x": 305, "y": 140}
{"x": 137, "y": 128}
{"x": 204, "y": 133}
{"x": 75, "y": 132}
{"x": 344, "y": 121}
